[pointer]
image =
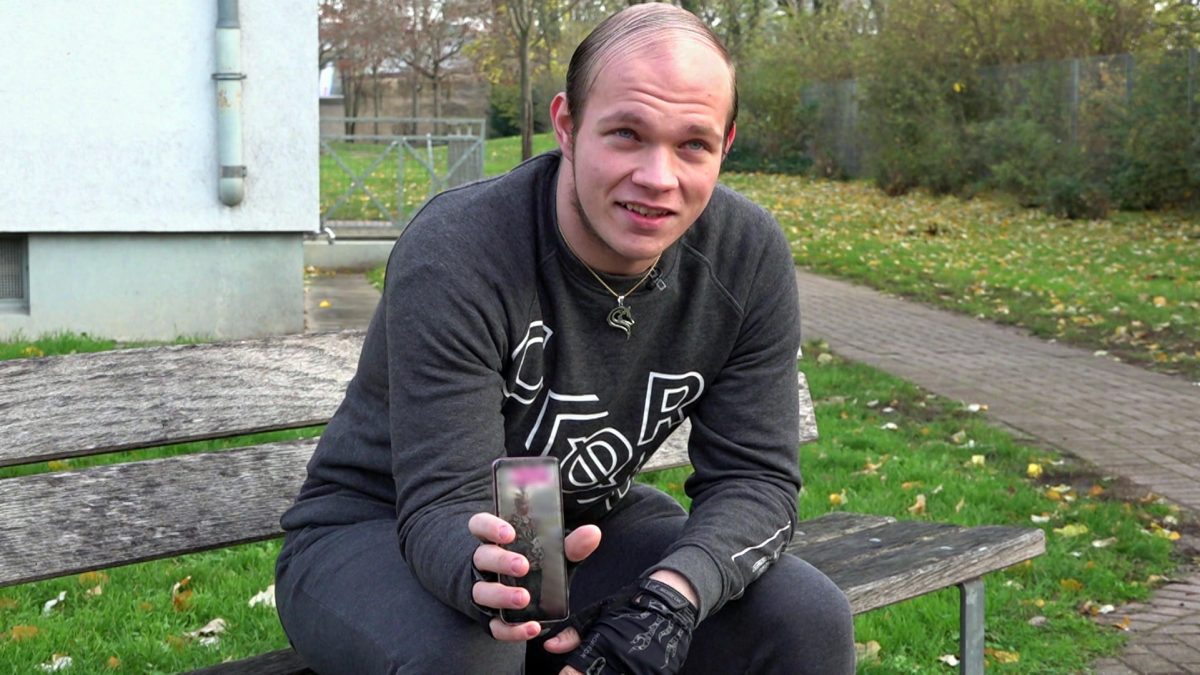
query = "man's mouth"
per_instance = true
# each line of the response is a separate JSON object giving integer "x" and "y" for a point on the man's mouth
{"x": 644, "y": 210}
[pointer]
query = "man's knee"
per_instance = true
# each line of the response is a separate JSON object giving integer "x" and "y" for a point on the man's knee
{"x": 803, "y": 620}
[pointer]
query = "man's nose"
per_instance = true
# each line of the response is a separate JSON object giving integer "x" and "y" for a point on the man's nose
{"x": 656, "y": 170}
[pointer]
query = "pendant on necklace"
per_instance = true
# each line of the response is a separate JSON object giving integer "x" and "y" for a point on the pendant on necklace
{"x": 620, "y": 317}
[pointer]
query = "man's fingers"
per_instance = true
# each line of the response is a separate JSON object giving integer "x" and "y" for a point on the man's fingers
{"x": 492, "y": 558}
{"x": 582, "y": 542}
{"x": 564, "y": 642}
{"x": 568, "y": 670}
{"x": 521, "y": 632}
{"x": 498, "y": 596}
{"x": 490, "y": 528}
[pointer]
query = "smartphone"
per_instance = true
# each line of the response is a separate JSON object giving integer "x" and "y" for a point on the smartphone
{"x": 528, "y": 496}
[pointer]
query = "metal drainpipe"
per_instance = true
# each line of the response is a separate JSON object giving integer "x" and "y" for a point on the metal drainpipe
{"x": 229, "y": 103}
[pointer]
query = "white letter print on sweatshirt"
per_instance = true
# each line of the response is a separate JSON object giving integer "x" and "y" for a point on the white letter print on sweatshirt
{"x": 596, "y": 462}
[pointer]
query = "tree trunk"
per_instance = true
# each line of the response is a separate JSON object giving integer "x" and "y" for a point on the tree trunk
{"x": 526, "y": 99}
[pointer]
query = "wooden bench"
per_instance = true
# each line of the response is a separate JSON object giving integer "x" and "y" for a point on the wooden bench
{"x": 61, "y": 523}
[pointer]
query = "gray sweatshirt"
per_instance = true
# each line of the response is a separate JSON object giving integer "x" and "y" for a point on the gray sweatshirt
{"x": 491, "y": 339}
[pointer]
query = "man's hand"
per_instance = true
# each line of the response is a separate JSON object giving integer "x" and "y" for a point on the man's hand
{"x": 642, "y": 630}
{"x": 493, "y": 531}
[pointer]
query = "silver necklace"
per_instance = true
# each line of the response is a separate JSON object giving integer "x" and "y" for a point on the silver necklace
{"x": 620, "y": 317}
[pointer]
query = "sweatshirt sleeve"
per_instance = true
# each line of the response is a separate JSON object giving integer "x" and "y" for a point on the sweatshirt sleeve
{"x": 444, "y": 409}
{"x": 743, "y": 446}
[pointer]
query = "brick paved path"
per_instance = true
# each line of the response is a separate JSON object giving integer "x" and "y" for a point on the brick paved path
{"x": 1123, "y": 419}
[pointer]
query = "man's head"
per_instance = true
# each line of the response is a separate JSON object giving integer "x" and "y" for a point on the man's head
{"x": 638, "y": 26}
{"x": 644, "y": 124}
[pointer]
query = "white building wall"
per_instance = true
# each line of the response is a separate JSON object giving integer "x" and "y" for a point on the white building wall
{"x": 110, "y": 128}
{"x": 110, "y": 117}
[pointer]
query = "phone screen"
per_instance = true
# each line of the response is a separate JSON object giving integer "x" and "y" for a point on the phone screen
{"x": 527, "y": 495}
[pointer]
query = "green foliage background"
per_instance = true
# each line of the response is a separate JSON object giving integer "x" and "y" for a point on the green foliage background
{"x": 958, "y": 96}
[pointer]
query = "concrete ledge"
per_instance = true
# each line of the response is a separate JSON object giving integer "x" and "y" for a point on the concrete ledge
{"x": 347, "y": 254}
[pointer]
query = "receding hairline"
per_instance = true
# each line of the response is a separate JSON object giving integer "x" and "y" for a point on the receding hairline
{"x": 639, "y": 28}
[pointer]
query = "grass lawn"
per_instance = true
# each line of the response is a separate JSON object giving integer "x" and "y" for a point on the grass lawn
{"x": 968, "y": 472}
{"x": 382, "y": 164}
{"x": 1128, "y": 286}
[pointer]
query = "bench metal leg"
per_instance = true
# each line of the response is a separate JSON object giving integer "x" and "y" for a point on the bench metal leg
{"x": 970, "y": 627}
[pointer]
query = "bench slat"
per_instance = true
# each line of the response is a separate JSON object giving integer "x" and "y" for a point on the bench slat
{"x": 901, "y": 560}
{"x": 82, "y": 404}
{"x": 86, "y": 404}
{"x": 62, "y": 523}
{"x": 66, "y": 522}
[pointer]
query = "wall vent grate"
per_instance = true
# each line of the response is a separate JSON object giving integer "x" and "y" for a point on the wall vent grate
{"x": 12, "y": 268}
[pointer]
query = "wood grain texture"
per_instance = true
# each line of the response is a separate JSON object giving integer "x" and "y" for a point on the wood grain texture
{"x": 84, "y": 404}
{"x": 887, "y": 563}
{"x": 62, "y": 523}
{"x": 67, "y": 406}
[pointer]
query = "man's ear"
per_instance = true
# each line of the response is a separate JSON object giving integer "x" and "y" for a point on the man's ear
{"x": 564, "y": 125}
{"x": 729, "y": 140}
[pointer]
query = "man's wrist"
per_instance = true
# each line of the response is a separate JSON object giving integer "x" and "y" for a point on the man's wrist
{"x": 678, "y": 582}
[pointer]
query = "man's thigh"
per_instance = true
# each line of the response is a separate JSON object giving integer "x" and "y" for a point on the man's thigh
{"x": 350, "y": 605}
{"x": 791, "y": 620}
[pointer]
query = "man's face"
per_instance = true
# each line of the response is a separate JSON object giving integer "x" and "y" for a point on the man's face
{"x": 642, "y": 163}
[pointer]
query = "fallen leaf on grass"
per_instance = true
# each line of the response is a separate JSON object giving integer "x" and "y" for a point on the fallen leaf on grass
{"x": 95, "y": 591}
{"x": 20, "y": 632}
{"x": 113, "y": 663}
{"x": 1073, "y": 530}
{"x": 918, "y": 507}
{"x": 92, "y": 578}
{"x": 959, "y": 506}
{"x": 1039, "y": 518}
{"x": 911, "y": 484}
{"x": 949, "y": 659}
{"x": 57, "y": 662}
{"x": 867, "y": 653}
{"x": 824, "y": 359}
{"x": 1002, "y": 656}
{"x": 1071, "y": 584}
{"x": 959, "y": 437}
{"x": 872, "y": 468}
{"x": 1104, "y": 543}
{"x": 838, "y": 498}
{"x": 1034, "y": 470}
{"x": 8, "y": 603}
{"x": 210, "y": 634}
{"x": 53, "y": 602}
{"x": 978, "y": 460}
{"x": 1096, "y": 491}
{"x": 1150, "y": 498}
{"x": 1090, "y": 608}
{"x": 1037, "y": 621}
{"x": 264, "y": 597}
{"x": 181, "y": 596}
{"x": 1123, "y": 624}
{"x": 890, "y": 426}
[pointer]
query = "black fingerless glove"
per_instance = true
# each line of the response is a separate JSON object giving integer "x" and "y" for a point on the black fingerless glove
{"x": 643, "y": 630}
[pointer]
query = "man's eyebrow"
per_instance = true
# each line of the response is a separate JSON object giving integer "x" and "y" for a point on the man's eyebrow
{"x": 622, "y": 117}
{"x": 635, "y": 120}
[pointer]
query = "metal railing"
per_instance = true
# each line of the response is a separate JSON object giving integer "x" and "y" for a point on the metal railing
{"x": 379, "y": 171}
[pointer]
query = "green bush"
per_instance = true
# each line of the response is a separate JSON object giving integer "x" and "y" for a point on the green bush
{"x": 1158, "y": 165}
{"x": 1071, "y": 195}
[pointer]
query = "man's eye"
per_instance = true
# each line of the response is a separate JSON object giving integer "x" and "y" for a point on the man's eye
{"x": 624, "y": 133}
{"x": 698, "y": 146}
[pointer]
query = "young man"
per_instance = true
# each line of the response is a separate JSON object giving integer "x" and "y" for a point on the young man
{"x": 580, "y": 307}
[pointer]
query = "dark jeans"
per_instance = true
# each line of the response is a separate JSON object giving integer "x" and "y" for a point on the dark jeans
{"x": 349, "y": 605}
